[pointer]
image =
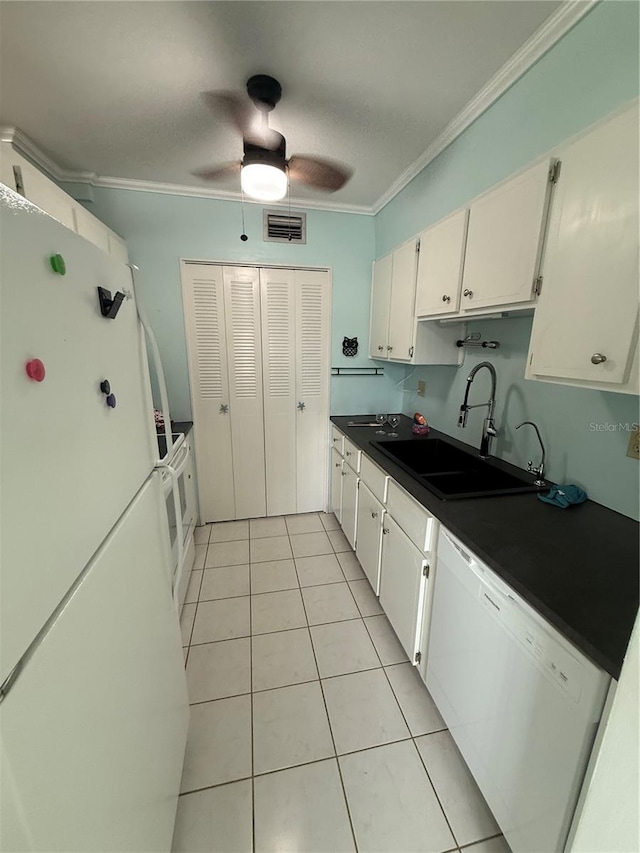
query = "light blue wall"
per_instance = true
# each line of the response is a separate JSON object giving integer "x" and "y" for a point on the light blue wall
{"x": 586, "y": 433}
{"x": 162, "y": 229}
{"x": 592, "y": 71}
{"x": 588, "y": 74}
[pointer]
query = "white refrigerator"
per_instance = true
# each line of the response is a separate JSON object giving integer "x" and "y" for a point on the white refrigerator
{"x": 93, "y": 702}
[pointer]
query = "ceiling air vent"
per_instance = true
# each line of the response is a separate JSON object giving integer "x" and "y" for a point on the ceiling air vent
{"x": 285, "y": 228}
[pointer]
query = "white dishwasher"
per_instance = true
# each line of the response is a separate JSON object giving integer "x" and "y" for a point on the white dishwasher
{"x": 521, "y": 702}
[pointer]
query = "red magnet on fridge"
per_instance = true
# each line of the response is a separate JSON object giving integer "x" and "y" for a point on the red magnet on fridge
{"x": 35, "y": 370}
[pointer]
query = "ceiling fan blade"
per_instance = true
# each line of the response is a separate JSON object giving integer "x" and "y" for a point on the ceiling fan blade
{"x": 236, "y": 110}
{"x": 214, "y": 173}
{"x": 315, "y": 172}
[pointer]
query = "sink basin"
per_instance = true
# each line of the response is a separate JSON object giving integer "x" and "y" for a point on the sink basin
{"x": 451, "y": 473}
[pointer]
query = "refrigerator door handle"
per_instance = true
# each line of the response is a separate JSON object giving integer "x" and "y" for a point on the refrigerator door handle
{"x": 157, "y": 361}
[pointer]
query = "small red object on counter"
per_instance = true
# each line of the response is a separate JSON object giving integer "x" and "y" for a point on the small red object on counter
{"x": 35, "y": 370}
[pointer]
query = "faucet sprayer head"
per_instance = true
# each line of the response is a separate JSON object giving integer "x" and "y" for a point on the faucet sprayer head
{"x": 462, "y": 417}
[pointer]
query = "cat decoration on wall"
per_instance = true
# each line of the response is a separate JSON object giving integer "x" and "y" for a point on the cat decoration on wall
{"x": 350, "y": 346}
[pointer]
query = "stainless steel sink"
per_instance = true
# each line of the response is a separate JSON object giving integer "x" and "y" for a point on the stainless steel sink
{"x": 451, "y": 473}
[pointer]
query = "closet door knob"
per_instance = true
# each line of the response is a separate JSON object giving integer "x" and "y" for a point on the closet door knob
{"x": 598, "y": 358}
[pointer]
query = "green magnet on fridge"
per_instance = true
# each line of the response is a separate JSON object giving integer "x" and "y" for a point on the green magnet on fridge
{"x": 58, "y": 265}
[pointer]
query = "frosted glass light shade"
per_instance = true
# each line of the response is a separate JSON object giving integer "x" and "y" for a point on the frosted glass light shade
{"x": 264, "y": 182}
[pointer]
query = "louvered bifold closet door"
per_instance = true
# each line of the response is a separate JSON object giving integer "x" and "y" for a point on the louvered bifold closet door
{"x": 207, "y": 348}
{"x": 313, "y": 325}
{"x": 279, "y": 382}
{"x": 242, "y": 311}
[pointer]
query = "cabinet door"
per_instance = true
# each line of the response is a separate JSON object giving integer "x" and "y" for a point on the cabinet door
{"x": 504, "y": 241}
{"x": 25, "y": 179}
{"x": 279, "y": 380}
{"x": 207, "y": 349}
{"x": 440, "y": 264}
{"x": 402, "y": 585}
{"x": 368, "y": 547}
{"x": 91, "y": 229}
{"x": 402, "y": 321}
{"x": 349, "y": 512}
{"x": 380, "y": 302}
{"x": 312, "y": 358}
{"x": 242, "y": 314}
{"x": 336, "y": 484}
{"x": 589, "y": 301}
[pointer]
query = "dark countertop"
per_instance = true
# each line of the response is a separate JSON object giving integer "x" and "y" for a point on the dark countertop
{"x": 182, "y": 426}
{"x": 176, "y": 427}
{"x": 577, "y": 567}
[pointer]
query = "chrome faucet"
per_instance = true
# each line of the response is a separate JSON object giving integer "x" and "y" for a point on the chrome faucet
{"x": 539, "y": 471}
{"x": 489, "y": 428}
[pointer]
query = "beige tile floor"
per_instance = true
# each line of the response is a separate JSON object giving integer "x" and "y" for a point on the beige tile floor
{"x": 310, "y": 731}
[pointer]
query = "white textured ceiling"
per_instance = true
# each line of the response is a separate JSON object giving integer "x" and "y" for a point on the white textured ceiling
{"x": 115, "y": 87}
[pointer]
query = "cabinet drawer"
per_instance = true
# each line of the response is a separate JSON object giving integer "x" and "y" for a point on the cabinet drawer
{"x": 414, "y": 519}
{"x": 352, "y": 455}
{"x": 374, "y": 478}
{"x": 337, "y": 439}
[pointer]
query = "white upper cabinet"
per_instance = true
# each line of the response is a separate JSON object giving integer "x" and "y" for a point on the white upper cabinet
{"x": 586, "y": 323}
{"x": 440, "y": 266}
{"x": 504, "y": 241}
{"x": 23, "y": 177}
{"x": 380, "y": 300}
{"x": 395, "y": 334}
{"x": 401, "y": 308}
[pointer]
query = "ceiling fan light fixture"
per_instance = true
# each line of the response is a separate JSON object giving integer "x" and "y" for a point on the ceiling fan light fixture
{"x": 263, "y": 181}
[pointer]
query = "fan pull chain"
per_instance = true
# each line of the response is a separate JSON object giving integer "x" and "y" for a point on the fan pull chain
{"x": 243, "y": 236}
{"x": 289, "y": 201}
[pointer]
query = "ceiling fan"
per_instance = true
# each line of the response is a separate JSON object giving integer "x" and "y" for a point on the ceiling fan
{"x": 265, "y": 169}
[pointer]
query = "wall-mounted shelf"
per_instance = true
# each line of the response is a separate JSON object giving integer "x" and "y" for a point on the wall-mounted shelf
{"x": 357, "y": 371}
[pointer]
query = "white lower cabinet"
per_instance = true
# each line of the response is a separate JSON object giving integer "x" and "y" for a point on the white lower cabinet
{"x": 370, "y": 518}
{"x": 403, "y": 581}
{"x": 350, "y": 483}
{"x": 336, "y": 484}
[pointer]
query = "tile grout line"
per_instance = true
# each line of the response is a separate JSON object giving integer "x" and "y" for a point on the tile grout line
{"x": 333, "y": 740}
{"x": 253, "y": 784}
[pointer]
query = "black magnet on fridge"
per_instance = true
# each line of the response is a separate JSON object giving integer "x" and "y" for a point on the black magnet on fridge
{"x": 109, "y": 307}
{"x": 111, "y": 401}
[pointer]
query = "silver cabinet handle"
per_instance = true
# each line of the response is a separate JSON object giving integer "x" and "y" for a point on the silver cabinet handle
{"x": 380, "y": 347}
{"x": 385, "y": 530}
{"x": 344, "y": 473}
{"x": 389, "y": 348}
{"x": 467, "y": 292}
{"x": 446, "y": 298}
{"x": 335, "y": 439}
{"x": 337, "y": 464}
{"x": 374, "y": 515}
{"x": 598, "y": 358}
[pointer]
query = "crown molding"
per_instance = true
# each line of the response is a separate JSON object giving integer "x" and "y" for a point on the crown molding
{"x": 554, "y": 28}
{"x": 222, "y": 195}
